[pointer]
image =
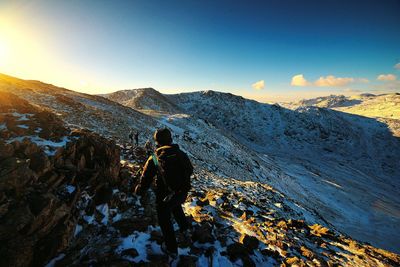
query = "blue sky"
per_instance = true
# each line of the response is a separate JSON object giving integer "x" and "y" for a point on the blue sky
{"x": 176, "y": 46}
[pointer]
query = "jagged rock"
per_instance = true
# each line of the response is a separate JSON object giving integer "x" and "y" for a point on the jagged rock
{"x": 183, "y": 241}
{"x": 295, "y": 223}
{"x": 249, "y": 242}
{"x": 103, "y": 194}
{"x": 98, "y": 216}
{"x": 160, "y": 259}
{"x": 156, "y": 236}
{"x": 196, "y": 250}
{"x": 131, "y": 252}
{"x": 39, "y": 163}
{"x": 128, "y": 226}
{"x": 203, "y": 202}
{"x": 248, "y": 262}
{"x": 307, "y": 253}
{"x": 187, "y": 261}
{"x": 6, "y": 150}
{"x": 28, "y": 148}
{"x": 237, "y": 250}
{"x": 203, "y": 233}
{"x": 271, "y": 253}
{"x": 15, "y": 174}
{"x": 37, "y": 213}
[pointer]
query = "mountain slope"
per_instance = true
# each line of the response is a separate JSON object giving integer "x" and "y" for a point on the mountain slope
{"x": 143, "y": 99}
{"x": 319, "y": 156}
{"x": 369, "y": 105}
{"x": 81, "y": 110}
{"x": 328, "y": 155}
{"x": 385, "y": 108}
{"x": 292, "y": 215}
{"x": 66, "y": 200}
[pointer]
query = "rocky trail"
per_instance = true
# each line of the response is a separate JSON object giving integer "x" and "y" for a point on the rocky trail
{"x": 234, "y": 223}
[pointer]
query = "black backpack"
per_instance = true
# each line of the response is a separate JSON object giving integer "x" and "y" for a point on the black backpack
{"x": 174, "y": 169}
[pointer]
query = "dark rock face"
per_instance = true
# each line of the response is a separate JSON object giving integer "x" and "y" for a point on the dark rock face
{"x": 250, "y": 242}
{"x": 203, "y": 233}
{"x": 37, "y": 213}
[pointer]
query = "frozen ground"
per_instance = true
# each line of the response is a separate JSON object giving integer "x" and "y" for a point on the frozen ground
{"x": 341, "y": 170}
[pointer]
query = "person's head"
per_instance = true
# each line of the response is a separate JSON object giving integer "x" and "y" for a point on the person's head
{"x": 163, "y": 137}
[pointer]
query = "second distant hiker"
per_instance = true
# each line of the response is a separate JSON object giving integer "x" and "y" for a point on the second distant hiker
{"x": 134, "y": 135}
{"x": 173, "y": 169}
{"x": 137, "y": 138}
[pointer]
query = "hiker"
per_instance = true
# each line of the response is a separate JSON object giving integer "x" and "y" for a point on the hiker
{"x": 173, "y": 170}
{"x": 137, "y": 138}
{"x": 131, "y": 137}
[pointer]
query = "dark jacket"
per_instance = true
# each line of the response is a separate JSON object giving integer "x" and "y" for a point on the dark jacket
{"x": 182, "y": 167}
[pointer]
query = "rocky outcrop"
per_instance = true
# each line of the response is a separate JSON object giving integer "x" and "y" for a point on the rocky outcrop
{"x": 39, "y": 187}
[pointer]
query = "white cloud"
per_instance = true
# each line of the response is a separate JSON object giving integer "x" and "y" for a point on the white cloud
{"x": 386, "y": 77}
{"x": 397, "y": 66}
{"x": 363, "y": 80}
{"x": 299, "y": 80}
{"x": 258, "y": 85}
{"x": 331, "y": 80}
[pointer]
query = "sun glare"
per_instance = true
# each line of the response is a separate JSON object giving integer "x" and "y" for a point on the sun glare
{"x": 3, "y": 51}
{"x": 4, "y": 45}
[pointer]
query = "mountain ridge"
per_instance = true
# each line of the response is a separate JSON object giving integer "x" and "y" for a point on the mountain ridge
{"x": 324, "y": 144}
{"x": 230, "y": 179}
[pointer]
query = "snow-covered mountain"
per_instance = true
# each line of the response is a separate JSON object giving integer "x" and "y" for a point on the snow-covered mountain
{"x": 143, "y": 99}
{"x": 385, "y": 108}
{"x": 325, "y": 159}
{"x": 252, "y": 204}
{"x": 369, "y": 105}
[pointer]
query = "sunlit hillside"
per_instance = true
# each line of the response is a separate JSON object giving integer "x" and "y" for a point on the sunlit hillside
{"x": 384, "y": 108}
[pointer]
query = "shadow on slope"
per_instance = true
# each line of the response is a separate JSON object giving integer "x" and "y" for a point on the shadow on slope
{"x": 317, "y": 149}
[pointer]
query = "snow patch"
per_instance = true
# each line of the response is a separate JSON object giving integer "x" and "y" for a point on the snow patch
{"x": 103, "y": 209}
{"x": 138, "y": 241}
{"x": 70, "y": 188}
{"x": 78, "y": 229}
{"x": 22, "y": 117}
{"x": 23, "y": 126}
{"x": 50, "y": 147}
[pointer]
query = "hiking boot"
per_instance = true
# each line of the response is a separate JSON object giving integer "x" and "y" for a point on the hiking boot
{"x": 172, "y": 254}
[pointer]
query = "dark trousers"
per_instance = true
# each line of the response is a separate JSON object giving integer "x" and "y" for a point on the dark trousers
{"x": 164, "y": 211}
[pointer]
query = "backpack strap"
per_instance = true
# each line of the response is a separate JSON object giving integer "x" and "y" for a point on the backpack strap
{"x": 160, "y": 171}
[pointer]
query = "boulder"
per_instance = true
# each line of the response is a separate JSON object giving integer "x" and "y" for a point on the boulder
{"x": 187, "y": 261}
{"x": 15, "y": 174}
{"x": 6, "y": 150}
{"x": 203, "y": 233}
{"x": 250, "y": 242}
{"x": 39, "y": 163}
{"x": 236, "y": 251}
{"x": 131, "y": 252}
{"x": 128, "y": 226}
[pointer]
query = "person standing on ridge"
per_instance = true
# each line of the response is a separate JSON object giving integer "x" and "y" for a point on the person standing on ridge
{"x": 131, "y": 137}
{"x": 173, "y": 170}
{"x": 137, "y": 138}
